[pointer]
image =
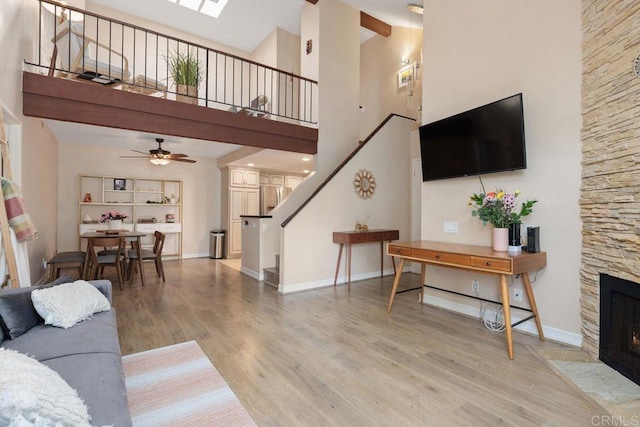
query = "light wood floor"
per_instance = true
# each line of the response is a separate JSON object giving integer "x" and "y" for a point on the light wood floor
{"x": 328, "y": 357}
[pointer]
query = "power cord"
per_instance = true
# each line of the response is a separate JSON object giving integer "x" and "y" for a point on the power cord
{"x": 493, "y": 317}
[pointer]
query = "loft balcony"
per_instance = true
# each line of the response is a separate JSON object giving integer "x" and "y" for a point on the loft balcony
{"x": 95, "y": 70}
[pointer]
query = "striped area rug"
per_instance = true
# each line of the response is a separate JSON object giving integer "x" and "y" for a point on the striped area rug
{"x": 178, "y": 386}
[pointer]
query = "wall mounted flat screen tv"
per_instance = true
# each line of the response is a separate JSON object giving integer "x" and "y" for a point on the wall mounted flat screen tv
{"x": 483, "y": 140}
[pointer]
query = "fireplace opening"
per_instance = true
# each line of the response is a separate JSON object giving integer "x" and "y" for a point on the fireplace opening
{"x": 620, "y": 325}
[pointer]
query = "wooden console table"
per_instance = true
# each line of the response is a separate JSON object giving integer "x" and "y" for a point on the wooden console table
{"x": 354, "y": 237}
{"x": 476, "y": 258}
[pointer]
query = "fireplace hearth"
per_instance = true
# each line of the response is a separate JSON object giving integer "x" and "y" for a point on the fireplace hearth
{"x": 620, "y": 325}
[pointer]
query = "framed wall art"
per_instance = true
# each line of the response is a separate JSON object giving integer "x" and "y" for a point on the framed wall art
{"x": 405, "y": 75}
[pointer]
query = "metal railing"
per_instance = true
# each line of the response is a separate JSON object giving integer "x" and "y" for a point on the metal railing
{"x": 79, "y": 44}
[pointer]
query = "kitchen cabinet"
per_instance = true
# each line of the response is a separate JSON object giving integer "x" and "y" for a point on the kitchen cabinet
{"x": 291, "y": 181}
{"x": 244, "y": 178}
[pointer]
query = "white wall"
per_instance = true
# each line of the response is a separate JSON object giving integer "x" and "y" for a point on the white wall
{"x": 18, "y": 39}
{"x": 478, "y": 52}
{"x": 380, "y": 62}
{"x": 201, "y": 190}
{"x": 310, "y": 252}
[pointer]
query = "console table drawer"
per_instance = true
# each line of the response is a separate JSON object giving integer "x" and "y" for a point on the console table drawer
{"x": 491, "y": 263}
{"x": 391, "y": 235}
{"x": 375, "y": 236}
{"x": 444, "y": 257}
{"x": 394, "y": 250}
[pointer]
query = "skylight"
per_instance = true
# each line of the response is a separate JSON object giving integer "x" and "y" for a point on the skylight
{"x": 208, "y": 7}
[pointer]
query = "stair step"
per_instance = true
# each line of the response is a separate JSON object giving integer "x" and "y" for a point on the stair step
{"x": 271, "y": 276}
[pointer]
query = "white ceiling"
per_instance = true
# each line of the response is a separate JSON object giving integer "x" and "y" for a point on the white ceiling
{"x": 243, "y": 24}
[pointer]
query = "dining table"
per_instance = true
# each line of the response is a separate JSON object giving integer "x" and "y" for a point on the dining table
{"x": 133, "y": 237}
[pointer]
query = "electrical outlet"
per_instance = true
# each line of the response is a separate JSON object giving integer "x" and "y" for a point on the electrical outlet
{"x": 44, "y": 264}
{"x": 517, "y": 294}
{"x": 475, "y": 285}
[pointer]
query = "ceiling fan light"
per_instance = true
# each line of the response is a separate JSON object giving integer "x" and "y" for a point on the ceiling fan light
{"x": 159, "y": 162}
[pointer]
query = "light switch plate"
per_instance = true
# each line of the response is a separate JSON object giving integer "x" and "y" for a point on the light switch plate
{"x": 450, "y": 227}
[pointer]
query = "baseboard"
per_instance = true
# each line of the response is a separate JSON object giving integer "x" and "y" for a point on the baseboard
{"x": 550, "y": 332}
{"x": 342, "y": 280}
{"x": 258, "y": 276}
{"x": 200, "y": 255}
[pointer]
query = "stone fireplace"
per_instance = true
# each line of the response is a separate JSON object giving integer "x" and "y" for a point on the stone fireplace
{"x": 620, "y": 325}
{"x": 610, "y": 192}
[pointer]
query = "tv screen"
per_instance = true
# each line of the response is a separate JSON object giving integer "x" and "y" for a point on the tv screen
{"x": 483, "y": 140}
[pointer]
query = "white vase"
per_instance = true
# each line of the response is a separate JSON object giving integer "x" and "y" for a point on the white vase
{"x": 500, "y": 239}
{"x": 116, "y": 224}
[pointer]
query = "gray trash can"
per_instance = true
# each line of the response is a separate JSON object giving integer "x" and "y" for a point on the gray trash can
{"x": 216, "y": 244}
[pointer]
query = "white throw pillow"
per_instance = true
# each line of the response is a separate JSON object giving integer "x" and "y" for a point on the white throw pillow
{"x": 34, "y": 394}
{"x": 67, "y": 304}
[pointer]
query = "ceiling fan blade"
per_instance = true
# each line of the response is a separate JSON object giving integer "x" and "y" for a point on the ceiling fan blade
{"x": 183, "y": 160}
{"x": 134, "y": 157}
{"x": 141, "y": 152}
{"x": 180, "y": 155}
{"x": 175, "y": 156}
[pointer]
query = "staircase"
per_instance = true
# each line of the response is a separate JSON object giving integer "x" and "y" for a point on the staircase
{"x": 272, "y": 274}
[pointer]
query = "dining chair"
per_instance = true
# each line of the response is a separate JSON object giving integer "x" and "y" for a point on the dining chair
{"x": 114, "y": 258}
{"x": 154, "y": 255}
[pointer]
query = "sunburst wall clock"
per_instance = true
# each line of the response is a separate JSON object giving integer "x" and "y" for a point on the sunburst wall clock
{"x": 364, "y": 184}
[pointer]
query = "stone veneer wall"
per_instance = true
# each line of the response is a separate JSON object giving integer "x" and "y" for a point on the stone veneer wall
{"x": 610, "y": 195}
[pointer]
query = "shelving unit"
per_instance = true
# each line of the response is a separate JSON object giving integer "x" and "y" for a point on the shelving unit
{"x": 140, "y": 199}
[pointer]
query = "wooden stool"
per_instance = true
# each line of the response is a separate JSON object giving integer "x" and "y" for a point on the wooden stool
{"x": 74, "y": 259}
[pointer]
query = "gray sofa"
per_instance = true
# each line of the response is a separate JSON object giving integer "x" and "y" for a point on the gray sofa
{"x": 87, "y": 355}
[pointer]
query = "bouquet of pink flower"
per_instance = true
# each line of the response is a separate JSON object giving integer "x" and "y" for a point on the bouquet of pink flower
{"x": 498, "y": 208}
{"x": 113, "y": 215}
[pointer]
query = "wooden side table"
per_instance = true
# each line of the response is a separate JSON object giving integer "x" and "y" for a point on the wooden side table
{"x": 349, "y": 238}
{"x": 474, "y": 258}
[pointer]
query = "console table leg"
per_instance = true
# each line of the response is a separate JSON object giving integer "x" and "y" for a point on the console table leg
{"x": 532, "y": 301}
{"x": 335, "y": 280}
{"x": 504, "y": 289}
{"x": 423, "y": 277}
{"x": 381, "y": 259}
{"x": 396, "y": 282}
{"x": 349, "y": 266}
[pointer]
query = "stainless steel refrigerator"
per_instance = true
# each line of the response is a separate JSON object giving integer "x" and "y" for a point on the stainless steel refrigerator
{"x": 271, "y": 196}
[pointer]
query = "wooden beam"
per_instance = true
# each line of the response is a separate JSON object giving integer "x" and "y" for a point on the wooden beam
{"x": 90, "y": 103}
{"x": 375, "y": 25}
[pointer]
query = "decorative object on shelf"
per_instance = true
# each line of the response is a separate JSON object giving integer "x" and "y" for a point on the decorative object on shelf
{"x": 187, "y": 73}
{"x": 119, "y": 184}
{"x": 86, "y": 219}
{"x": 364, "y": 184}
{"x": 169, "y": 218}
{"x": 87, "y": 198}
{"x": 172, "y": 199}
{"x": 145, "y": 220}
{"x": 498, "y": 208}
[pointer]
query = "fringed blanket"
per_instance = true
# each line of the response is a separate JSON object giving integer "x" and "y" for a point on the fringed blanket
{"x": 19, "y": 219}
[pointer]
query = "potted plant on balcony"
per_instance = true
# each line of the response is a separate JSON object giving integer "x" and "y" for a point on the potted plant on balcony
{"x": 187, "y": 73}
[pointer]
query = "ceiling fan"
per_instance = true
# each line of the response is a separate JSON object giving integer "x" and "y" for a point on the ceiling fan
{"x": 159, "y": 156}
